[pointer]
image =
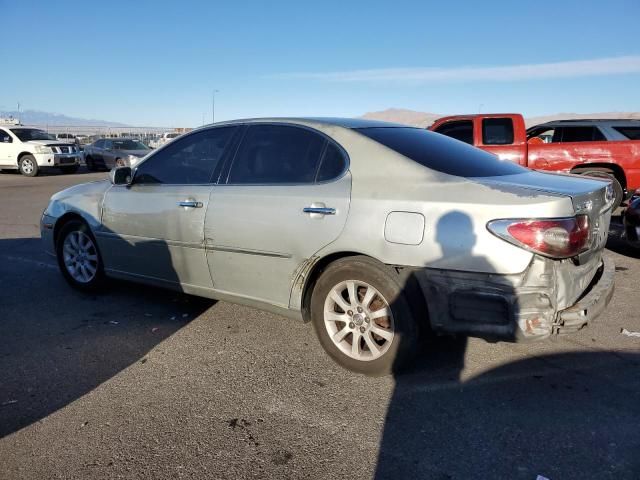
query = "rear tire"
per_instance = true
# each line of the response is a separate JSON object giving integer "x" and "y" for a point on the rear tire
{"x": 90, "y": 163}
{"x": 28, "y": 166}
{"x": 78, "y": 257}
{"x": 358, "y": 299}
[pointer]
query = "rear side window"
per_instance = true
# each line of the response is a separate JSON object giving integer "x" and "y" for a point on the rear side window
{"x": 460, "y": 130}
{"x": 497, "y": 131}
{"x": 632, "y": 133}
{"x": 577, "y": 134}
{"x": 275, "y": 154}
{"x": 332, "y": 165}
{"x": 440, "y": 153}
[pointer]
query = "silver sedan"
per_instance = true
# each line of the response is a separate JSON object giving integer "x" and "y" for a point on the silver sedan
{"x": 379, "y": 234}
{"x": 114, "y": 152}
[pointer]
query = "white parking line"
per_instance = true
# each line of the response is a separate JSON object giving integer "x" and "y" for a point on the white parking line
{"x": 29, "y": 261}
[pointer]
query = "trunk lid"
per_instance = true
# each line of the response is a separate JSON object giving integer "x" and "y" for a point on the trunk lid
{"x": 590, "y": 196}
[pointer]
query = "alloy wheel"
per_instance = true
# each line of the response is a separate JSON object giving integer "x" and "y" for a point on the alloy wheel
{"x": 27, "y": 166}
{"x": 359, "y": 320}
{"x": 80, "y": 256}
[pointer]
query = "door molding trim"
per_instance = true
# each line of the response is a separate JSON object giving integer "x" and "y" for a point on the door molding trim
{"x": 170, "y": 243}
{"x": 246, "y": 251}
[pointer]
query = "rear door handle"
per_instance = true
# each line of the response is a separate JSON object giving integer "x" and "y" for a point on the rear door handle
{"x": 190, "y": 204}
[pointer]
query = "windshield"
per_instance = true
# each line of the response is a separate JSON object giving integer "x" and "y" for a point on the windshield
{"x": 129, "y": 145}
{"x": 26, "y": 134}
{"x": 441, "y": 153}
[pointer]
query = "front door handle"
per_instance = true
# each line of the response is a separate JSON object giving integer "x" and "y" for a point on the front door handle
{"x": 318, "y": 210}
{"x": 190, "y": 204}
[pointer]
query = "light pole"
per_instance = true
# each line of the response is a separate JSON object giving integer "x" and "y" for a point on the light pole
{"x": 213, "y": 106}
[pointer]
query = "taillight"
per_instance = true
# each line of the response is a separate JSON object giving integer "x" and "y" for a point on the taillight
{"x": 553, "y": 237}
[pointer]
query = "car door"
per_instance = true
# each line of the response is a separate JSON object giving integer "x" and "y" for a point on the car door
{"x": 154, "y": 228}
{"x": 95, "y": 151}
{"x": 107, "y": 154}
{"x": 285, "y": 197}
{"x": 6, "y": 148}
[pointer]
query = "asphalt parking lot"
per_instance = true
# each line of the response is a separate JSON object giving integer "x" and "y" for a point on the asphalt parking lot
{"x": 143, "y": 383}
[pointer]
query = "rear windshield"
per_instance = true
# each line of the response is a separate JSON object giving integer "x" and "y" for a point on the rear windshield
{"x": 441, "y": 153}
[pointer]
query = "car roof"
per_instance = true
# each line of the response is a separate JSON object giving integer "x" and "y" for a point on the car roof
{"x": 351, "y": 123}
{"x": 593, "y": 121}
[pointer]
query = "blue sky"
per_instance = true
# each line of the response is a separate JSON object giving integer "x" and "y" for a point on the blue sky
{"x": 156, "y": 63}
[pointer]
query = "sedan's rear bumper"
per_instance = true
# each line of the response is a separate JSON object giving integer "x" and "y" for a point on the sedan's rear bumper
{"x": 592, "y": 304}
{"x": 518, "y": 307}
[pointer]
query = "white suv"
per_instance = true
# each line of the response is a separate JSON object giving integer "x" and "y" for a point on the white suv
{"x": 164, "y": 139}
{"x": 29, "y": 149}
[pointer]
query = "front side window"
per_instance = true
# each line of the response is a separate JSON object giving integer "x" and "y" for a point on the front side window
{"x": 460, "y": 130}
{"x": 190, "y": 160}
{"x": 99, "y": 144}
{"x": 4, "y": 137}
{"x": 440, "y": 153}
{"x": 27, "y": 134}
{"x": 497, "y": 131}
{"x": 276, "y": 154}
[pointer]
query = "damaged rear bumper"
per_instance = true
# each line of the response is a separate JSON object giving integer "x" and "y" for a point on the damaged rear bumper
{"x": 592, "y": 304}
{"x": 549, "y": 298}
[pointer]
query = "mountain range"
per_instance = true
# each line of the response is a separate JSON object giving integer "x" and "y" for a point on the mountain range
{"x": 35, "y": 117}
{"x": 397, "y": 115}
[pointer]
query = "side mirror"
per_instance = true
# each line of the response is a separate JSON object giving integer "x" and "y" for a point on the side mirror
{"x": 7, "y": 139}
{"x": 121, "y": 176}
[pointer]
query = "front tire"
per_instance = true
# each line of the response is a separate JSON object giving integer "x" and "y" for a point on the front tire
{"x": 362, "y": 316}
{"x": 28, "y": 166}
{"x": 78, "y": 257}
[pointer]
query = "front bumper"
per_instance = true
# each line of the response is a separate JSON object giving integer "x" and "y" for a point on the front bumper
{"x": 46, "y": 233}
{"x": 533, "y": 305}
{"x": 57, "y": 159}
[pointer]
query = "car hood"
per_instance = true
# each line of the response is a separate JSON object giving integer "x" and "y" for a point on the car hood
{"x": 49, "y": 143}
{"x": 82, "y": 190}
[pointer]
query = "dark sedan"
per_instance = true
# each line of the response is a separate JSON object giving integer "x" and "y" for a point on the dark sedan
{"x": 632, "y": 222}
{"x": 114, "y": 152}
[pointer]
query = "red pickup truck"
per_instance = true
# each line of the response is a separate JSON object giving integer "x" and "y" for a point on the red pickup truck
{"x": 601, "y": 148}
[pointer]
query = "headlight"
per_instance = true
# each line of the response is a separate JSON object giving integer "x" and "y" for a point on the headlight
{"x": 43, "y": 149}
